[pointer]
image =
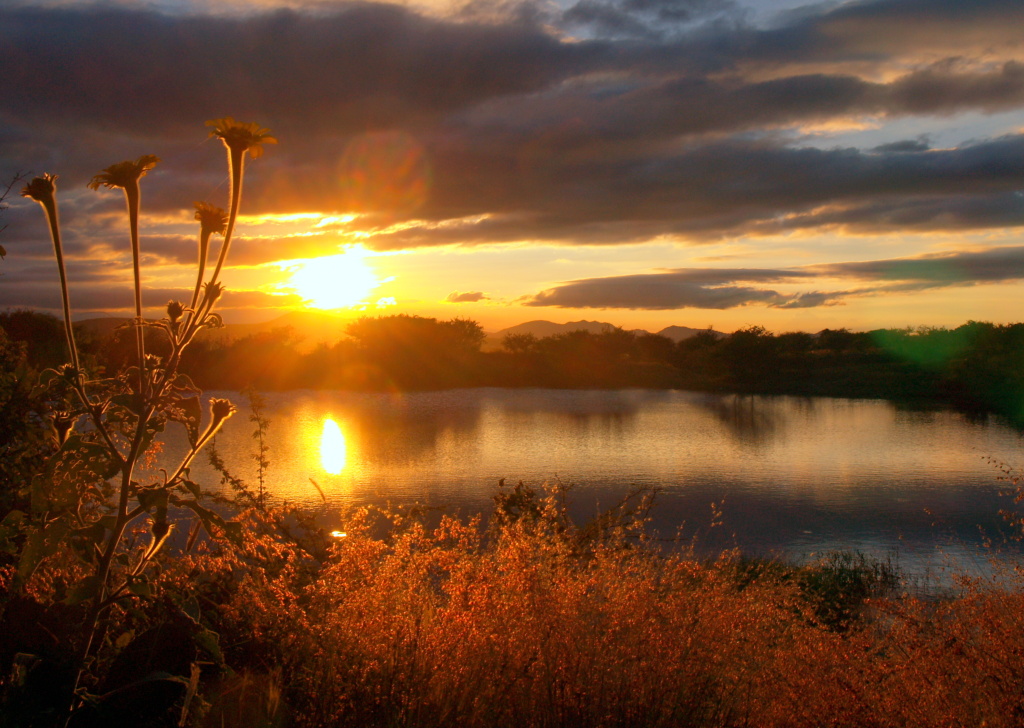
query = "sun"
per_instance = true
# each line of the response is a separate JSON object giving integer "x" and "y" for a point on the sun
{"x": 334, "y": 281}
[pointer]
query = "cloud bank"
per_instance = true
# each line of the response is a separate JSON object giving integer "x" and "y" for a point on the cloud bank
{"x": 604, "y": 122}
{"x": 718, "y": 289}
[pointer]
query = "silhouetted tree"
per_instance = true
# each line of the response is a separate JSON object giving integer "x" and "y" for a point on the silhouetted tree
{"x": 418, "y": 353}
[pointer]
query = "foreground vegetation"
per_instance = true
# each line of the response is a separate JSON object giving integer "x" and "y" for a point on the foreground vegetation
{"x": 529, "y": 621}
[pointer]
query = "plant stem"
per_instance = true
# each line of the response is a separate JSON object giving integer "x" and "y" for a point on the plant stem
{"x": 236, "y": 164}
{"x": 204, "y": 248}
{"x": 50, "y": 207}
{"x": 132, "y": 195}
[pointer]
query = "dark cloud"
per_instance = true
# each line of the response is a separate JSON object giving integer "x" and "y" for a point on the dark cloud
{"x": 734, "y": 187}
{"x": 985, "y": 266}
{"x": 670, "y": 118}
{"x": 904, "y": 146}
{"x": 686, "y": 288}
{"x": 714, "y": 288}
{"x": 96, "y": 297}
{"x": 646, "y": 19}
{"x": 468, "y": 297}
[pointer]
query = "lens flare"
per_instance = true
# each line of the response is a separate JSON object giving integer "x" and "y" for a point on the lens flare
{"x": 384, "y": 172}
{"x": 332, "y": 447}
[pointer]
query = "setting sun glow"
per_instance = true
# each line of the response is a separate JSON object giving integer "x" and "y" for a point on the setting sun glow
{"x": 332, "y": 447}
{"x": 334, "y": 281}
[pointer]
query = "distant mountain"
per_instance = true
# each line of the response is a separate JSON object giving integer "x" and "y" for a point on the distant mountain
{"x": 678, "y": 333}
{"x": 541, "y": 329}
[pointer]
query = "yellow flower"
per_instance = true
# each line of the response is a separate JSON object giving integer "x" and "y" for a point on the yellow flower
{"x": 41, "y": 189}
{"x": 124, "y": 174}
{"x": 241, "y": 137}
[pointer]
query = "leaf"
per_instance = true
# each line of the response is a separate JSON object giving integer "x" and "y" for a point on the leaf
{"x": 77, "y": 464}
{"x": 183, "y": 383}
{"x": 193, "y": 488}
{"x": 150, "y": 498}
{"x": 154, "y": 426}
{"x": 84, "y": 541}
{"x": 127, "y": 400}
{"x": 190, "y": 608}
{"x": 213, "y": 522}
{"x": 40, "y": 544}
{"x": 124, "y": 639}
{"x": 14, "y": 519}
{"x": 85, "y": 589}
{"x": 46, "y": 377}
{"x": 141, "y": 587}
{"x": 10, "y": 530}
{"x": 210, "y": 642}
{"x": 189, "y": 412}
{"x": 233, "y": 530}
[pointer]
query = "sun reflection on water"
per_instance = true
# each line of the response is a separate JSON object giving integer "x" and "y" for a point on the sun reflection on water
{"x": 332, "y": 447}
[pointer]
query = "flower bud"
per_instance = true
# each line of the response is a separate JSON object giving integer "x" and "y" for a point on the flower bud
{"x": 41, "y": 189}
{"x": 213, "y": 291}
{"x": 62, "y": 424}
{"x": 220, "y": 410}
{"x": 174, "y": 310}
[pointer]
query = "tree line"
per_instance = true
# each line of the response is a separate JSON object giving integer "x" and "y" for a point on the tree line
{"x": 976, "y": 366}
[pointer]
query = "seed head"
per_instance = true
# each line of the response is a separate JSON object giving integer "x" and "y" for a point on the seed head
{"x": 41, "y": 189}
{"x": 213, "y": 291}
{"x": 174, "y": 310}
{"x": 241, "y": 137}
{"x": 212, "y": 219}
{"x": 124, "y": 174}
{"x": 62, "y": 422}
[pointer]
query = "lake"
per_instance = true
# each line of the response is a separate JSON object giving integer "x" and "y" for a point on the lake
{"x": 791, "y": 476}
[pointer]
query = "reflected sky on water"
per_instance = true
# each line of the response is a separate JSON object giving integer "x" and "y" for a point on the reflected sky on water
{"x": 792, "y": 475}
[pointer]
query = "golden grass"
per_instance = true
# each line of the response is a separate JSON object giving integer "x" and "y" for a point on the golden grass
{"x": 523, "y": 625}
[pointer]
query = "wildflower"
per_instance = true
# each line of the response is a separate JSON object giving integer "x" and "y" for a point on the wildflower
{"x": 174, "y": 310}
{"x": 62, "y": 423}
{"x": 69, "y": 372}
{"x": 44, "y": 191}
{"x": 212, "y": 219}
{"x": 241, "y": 137}
{"x": 124, "y": 174}
{"x": 212, "y": 291}
{"x": 41, "y": 189}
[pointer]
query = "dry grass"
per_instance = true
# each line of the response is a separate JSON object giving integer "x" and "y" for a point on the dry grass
{"x": 523, "y": 624}
{"x": 533, "y": 622}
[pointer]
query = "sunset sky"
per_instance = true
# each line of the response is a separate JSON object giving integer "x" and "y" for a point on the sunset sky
{"x": 641, "y": 162}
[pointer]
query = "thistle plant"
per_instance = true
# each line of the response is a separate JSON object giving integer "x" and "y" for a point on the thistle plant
{"x": 90, "y": 498}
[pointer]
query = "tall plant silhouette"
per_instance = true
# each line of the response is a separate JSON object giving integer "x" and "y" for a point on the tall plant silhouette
{"x": 88, "y": 497}
{"x": 239, "y": 139}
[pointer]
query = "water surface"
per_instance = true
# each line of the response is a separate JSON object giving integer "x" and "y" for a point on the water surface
{"x": 791, "y": 476}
